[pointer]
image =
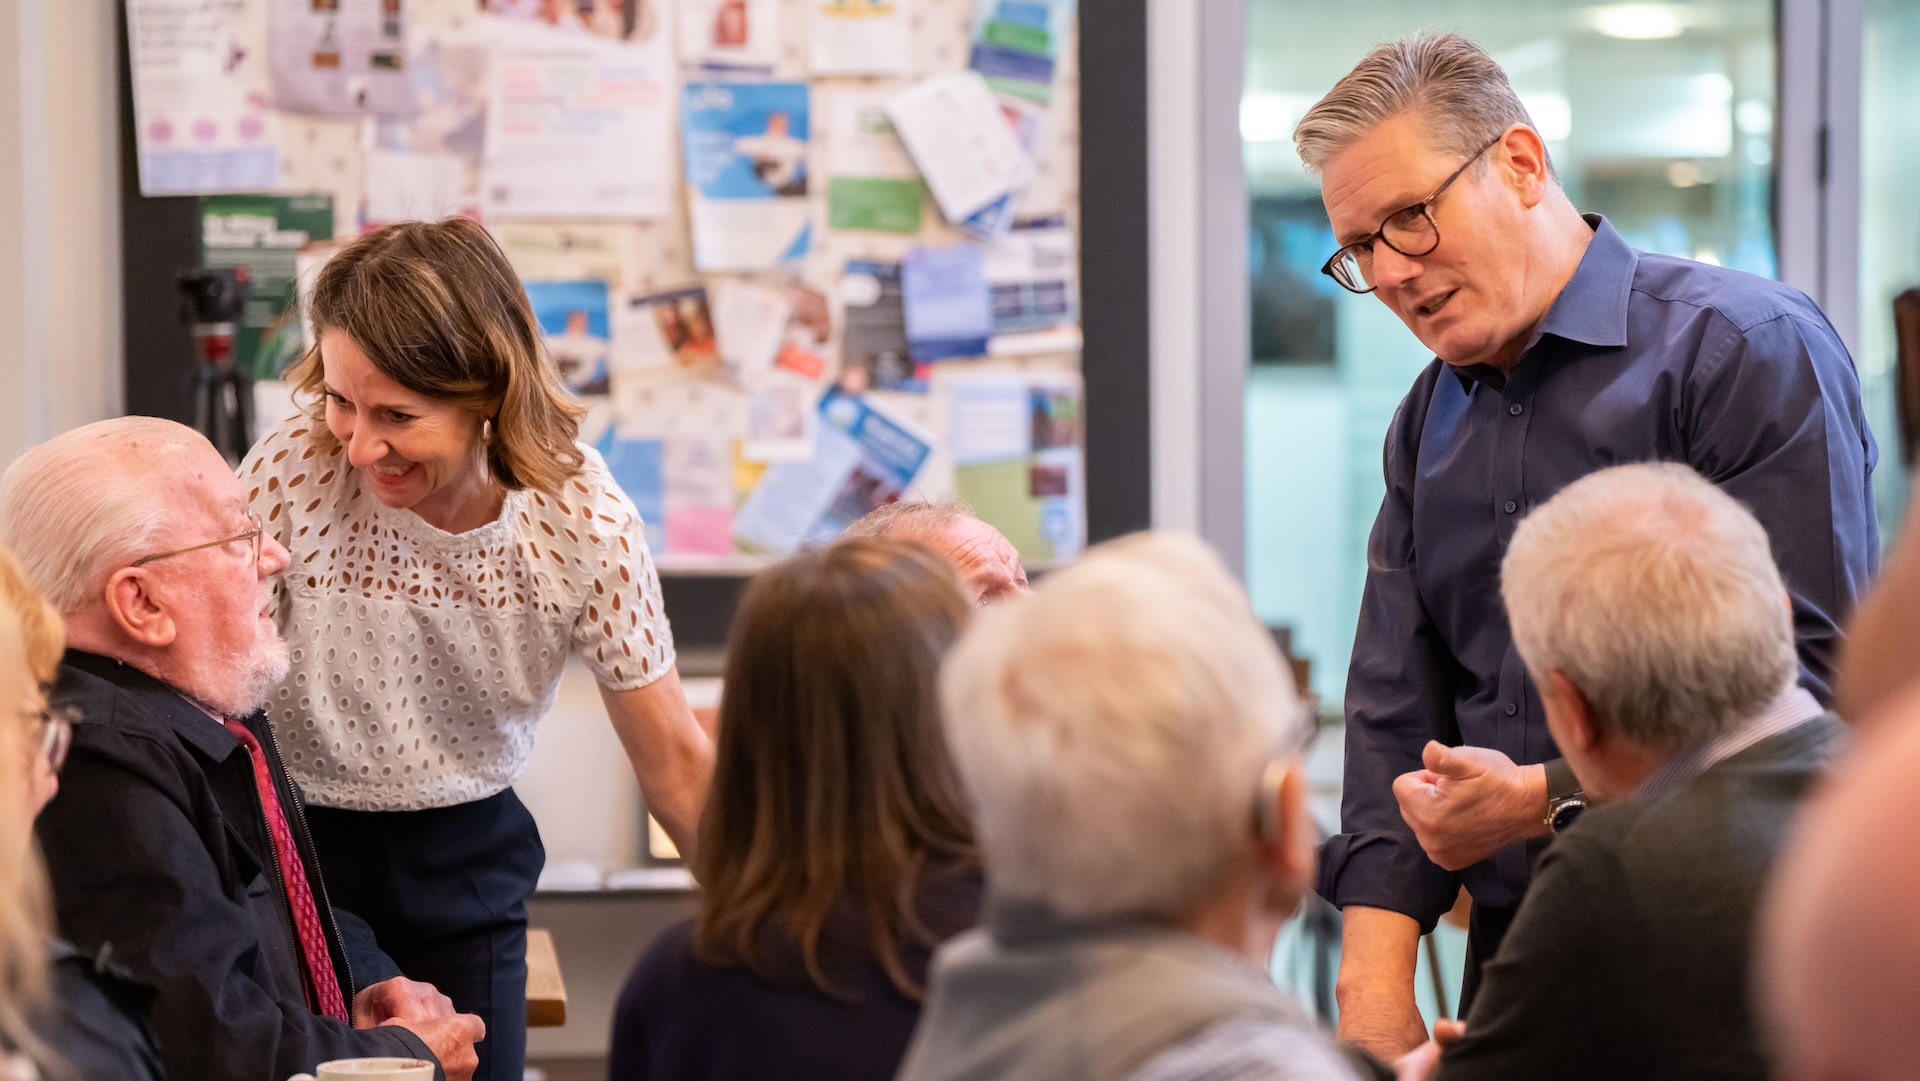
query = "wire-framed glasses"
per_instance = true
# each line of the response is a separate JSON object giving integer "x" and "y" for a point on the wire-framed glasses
{"x": 1410, "y": 230}
{"x": 251, "y": 536}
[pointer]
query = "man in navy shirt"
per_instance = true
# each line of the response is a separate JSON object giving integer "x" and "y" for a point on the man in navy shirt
{"x": 1559, "y": 350}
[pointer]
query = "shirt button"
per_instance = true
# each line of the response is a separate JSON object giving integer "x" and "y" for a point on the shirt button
{"x": 1512, "y": 506}
{"x": 1516, "y": 409}
{"x": 1512, "y": 709}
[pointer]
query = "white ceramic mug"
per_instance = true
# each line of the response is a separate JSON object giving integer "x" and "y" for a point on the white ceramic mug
{"x": 370, "y": 1069}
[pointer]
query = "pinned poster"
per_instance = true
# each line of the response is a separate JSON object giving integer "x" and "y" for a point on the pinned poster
{"x": 780, "y": 418}
{"x": 201, "y": 121}
{"x": 1031, "y": 274}
{"x": 961, "y": 142}
{"x": 1014, "y": 439}
{"x": 948, "y": 308}
{"x": 1016, "y": 45}
{"x": 872, "y": 184}
{"x": 573, "y": 326}
{"x": 746, "y": 153}
{"x": 863, "y": 458}
{"x": 447, "y": 78}
{"x": 265, "y": 234}
{"x": 859, "y": 37}
{"x": 730, "y": 35}
{"x": 401, "y": 186}
{"x": 749, "y": 326}
{"x": 553, "y": 251}
{"x": 873, "y": 345}
{"x": 672, "y": 330}
{"x": 698, "y": 499}
{"x": 578, "y": 127}
{"x": 339, "y": 58}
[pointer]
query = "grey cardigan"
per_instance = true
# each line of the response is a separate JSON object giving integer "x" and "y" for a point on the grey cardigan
{"x": 1031, "y": 996}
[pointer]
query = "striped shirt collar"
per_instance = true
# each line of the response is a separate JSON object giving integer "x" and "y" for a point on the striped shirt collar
{"x": 1791, "y": 709}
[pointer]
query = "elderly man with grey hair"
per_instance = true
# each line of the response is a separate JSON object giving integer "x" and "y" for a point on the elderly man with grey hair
{"x": 1646, "y": 605}
{"x": 1130, "y": 741}
{"x": 1558, "y": 350}
{"x": 988, "y": 563}
{"x": 177, "y": 843}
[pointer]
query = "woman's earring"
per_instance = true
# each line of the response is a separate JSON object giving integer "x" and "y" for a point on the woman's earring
{"x": 486, "y": 431}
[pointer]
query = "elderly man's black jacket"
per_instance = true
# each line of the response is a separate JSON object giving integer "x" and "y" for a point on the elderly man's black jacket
{"x": 157, "y": 844}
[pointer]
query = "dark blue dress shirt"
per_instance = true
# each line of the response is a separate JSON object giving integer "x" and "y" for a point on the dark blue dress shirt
{"x": 1641, "y": 357}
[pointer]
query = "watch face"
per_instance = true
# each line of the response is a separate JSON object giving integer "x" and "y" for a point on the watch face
{"x": 1564, "y": 815}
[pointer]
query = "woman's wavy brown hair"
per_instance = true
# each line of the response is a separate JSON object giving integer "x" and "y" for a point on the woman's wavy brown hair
{"x": 832, "y": 784}
{"x": 438, "y": 309}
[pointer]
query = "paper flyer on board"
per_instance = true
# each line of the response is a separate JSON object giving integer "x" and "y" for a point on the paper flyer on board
{"x": 874, "y": 351}
{"x": 202, "y": 120}
{"x": 339, "y": 58}
{"x": 1016, "y": 45}
{"x": 578, "y": 126}
{"x": 730, "y": 35}
{"x": 948, "y": 307}
{"x": 1014, "y": 440}
{"x": 863, "y": 458}
{"x": 1032, "y": 277}
{"x": 859, "y": 37}
{"x": 265, "y": 234}
{"x": 960, "y": 140}
{"x": 698, "y": 496}
{"x": 746, "y": 155}
{"x": 749, "y": 326}
{"x": 574, "y": 327}
{"x": 671, "y": 330}
{"x": 872, "y": 184}
{"x": 781, "y": 415}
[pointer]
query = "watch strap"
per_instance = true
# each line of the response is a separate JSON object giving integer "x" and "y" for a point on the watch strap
{"x": 1561, "y": 783}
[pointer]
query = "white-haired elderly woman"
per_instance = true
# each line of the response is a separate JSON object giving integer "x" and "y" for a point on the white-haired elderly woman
{"x": 1130, "y": 741}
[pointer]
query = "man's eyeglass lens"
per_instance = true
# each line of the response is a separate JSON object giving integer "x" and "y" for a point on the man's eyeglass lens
{"x": 1410, "y": 232}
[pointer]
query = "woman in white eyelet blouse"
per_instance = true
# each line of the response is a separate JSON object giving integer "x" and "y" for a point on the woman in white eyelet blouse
{"x": 450, "y": 545}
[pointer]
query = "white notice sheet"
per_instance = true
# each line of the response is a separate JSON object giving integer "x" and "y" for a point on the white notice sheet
{"x": 201, "y": 120}
{"x": 578, "y": 126}
{"x": 960, "y": 139}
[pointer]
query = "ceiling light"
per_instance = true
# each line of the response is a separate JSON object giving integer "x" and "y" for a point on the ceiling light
{"x": 1637, "y": 22}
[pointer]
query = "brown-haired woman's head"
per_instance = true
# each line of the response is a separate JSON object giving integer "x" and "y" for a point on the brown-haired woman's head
{"x": 832, "y": 783}
{"x": 427, "y": 366}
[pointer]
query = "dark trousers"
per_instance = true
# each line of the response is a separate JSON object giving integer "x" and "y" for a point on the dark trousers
{"x": 1485, "y": 928}
{"x": 445, "y": 891}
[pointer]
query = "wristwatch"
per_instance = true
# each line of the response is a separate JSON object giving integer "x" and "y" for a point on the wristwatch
{"x": 1565, "y": 800}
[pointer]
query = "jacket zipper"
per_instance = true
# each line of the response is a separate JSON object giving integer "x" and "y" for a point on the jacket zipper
{"x": 299, "y": 818}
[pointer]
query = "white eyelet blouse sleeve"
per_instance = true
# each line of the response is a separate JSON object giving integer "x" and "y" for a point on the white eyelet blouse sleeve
{"x": 421, "y": 661}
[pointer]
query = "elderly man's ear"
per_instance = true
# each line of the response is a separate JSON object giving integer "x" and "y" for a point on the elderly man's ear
{"x": 1288, "y": 854}
{"x": 1570, "y": 716}
{"x": 140, "y": 615}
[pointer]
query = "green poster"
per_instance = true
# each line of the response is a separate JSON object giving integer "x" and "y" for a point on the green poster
{"x": 264, "y": 233}
{"x": 874, "y": 204}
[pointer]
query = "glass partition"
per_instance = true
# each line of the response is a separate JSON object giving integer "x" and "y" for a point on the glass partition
{"x": 1889, "y": 226}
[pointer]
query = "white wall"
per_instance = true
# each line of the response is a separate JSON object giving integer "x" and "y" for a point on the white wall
{"x": 60, "y": 338}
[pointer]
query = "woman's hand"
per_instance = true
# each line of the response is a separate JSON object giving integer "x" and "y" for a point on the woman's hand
{"x": 671, "y": 754}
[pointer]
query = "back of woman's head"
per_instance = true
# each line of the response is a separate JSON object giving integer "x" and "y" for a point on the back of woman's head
{"x": 832, "y": 778}
{"x": 30, "y": 645}
{"x": 438, "y": 309}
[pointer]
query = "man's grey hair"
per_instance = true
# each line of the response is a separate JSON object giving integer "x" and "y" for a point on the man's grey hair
{"x": 1112, "y": 729}
{"x": 1460, "y": 95}
{"x": 1656, "y": 594}
{"x": 909, "y": 519}
{"x": 77, "y": 507}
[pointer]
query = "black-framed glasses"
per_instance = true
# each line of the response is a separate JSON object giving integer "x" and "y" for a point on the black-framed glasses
{"x": 252, "y": 536}
{"x": 1410, "y": 230}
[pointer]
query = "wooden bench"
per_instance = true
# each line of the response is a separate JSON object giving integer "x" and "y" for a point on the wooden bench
{"x": 546, "y": 991}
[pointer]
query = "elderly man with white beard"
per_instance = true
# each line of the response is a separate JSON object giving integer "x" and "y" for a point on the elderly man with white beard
{"x": 177, "y": 844}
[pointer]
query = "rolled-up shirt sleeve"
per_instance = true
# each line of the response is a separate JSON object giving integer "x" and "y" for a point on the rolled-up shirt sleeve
{"x": 1400, "y": 690}
{"x": 1776, "y": 423}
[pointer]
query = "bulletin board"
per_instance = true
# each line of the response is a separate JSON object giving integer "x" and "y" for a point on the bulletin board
{"x": 728, "y": 473}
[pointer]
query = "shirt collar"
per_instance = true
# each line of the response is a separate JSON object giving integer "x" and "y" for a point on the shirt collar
{"x": 1592, "y": 306}
{"x": 1792, "y": 708}
{"x": 168, "y": 703}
